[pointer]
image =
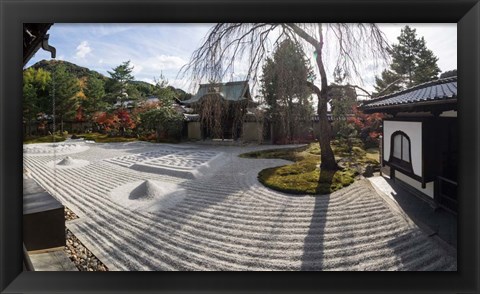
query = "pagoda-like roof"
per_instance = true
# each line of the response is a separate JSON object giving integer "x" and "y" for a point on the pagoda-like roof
{"x": 231, "y": 91}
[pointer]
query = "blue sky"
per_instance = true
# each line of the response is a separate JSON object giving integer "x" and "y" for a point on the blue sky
{"x": 165, "y": 48}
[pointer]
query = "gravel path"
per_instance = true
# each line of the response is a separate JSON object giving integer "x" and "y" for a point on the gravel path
{"x": 227, "y": 220}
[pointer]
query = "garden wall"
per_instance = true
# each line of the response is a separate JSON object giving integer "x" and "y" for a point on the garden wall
{"x": 252, "y": 132}
{"x": 194, "y": 131}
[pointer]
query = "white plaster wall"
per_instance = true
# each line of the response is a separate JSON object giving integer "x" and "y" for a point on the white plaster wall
{"x": 450, "y": 113}
{"x": 414, "y": 132}
{"x": 416, "y": 184}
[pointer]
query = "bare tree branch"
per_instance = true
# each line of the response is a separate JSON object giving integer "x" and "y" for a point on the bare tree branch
{"x": 229, "y": 44}
{"x": 389, "y": 86}
{"x": 369, "y": 94}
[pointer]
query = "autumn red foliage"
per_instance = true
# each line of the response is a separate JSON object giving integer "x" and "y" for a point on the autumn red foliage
{"x": 80, "y": 114}
{"x": 119, "y": 121}
{"x": 106, "y": 121}
{"x": 368, "y": 126}
{"x": 124, "y": 119}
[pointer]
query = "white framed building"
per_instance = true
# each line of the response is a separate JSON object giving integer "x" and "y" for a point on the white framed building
{"x": 420, "y": 140}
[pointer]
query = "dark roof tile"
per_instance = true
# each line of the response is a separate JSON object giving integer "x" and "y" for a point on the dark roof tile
{"x": 434, "y": 90}
{"x": 231, "y": 91}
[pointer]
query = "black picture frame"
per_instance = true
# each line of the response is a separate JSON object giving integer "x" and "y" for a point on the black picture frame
{"x": 466, "y": 13}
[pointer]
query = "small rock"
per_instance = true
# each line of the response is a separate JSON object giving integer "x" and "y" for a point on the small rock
{"x": 368, "y": 171}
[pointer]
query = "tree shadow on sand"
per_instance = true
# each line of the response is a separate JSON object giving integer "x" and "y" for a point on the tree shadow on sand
{"x": 313, "y": 248}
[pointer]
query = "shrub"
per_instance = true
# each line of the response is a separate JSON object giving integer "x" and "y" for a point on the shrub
{"x": 167, "y": 122}
{"x": 106, "y": 121}
{"x": 368, "y": 127}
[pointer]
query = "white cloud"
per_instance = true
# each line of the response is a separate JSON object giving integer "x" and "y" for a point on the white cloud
{"x": 83, "y": 49}
{"x": 137, "y": 68}
{"x": 165, "y": 62}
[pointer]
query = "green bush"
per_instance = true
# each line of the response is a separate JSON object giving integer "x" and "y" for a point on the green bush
{"x": 166, "y": 121}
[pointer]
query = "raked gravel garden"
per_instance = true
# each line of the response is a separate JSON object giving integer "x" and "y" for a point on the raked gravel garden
{"x": 149, "y": 207}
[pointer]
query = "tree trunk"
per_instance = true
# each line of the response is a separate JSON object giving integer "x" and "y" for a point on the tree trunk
{"x": 326, "y": 153}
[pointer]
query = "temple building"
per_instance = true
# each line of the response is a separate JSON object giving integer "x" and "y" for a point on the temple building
{"x": 420, "y": 141}
{"x": 220, "y": 110}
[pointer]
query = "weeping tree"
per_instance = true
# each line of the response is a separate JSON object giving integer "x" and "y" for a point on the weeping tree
{"x": 213, "y": 112}
{"x": 218, "y": 115}
{"x": 228, "y": 44}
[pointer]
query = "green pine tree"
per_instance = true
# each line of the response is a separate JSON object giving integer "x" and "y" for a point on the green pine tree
{"x": 95, "y": 94}
{"x": 284, "y": 86}
{"x": 66, "y": 87}
{"x": 427, "y": 68}
{"x": 405, "y": 54}
{"x": 412, "y": 63}
{"x": 35, "y": 95}
{"x": 120, "y": 88}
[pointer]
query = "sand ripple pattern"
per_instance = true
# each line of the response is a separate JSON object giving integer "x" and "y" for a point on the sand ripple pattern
{"x": 171, "y": 158}
{"x": 51, "y": 148}
{"x": 228, "y": 221}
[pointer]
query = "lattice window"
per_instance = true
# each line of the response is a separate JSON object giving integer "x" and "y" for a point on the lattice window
{"x": 401, "y": 150}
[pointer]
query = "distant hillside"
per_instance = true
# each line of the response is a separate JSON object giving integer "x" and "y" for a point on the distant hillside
{"x": 78, "y": 71}
{"x": 181, "y": 95}
{"x": 146, "y": 89}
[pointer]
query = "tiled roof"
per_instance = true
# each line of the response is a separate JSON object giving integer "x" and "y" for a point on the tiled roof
{"x": 232, "y": 91}
{"x": 437, "y": 90}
